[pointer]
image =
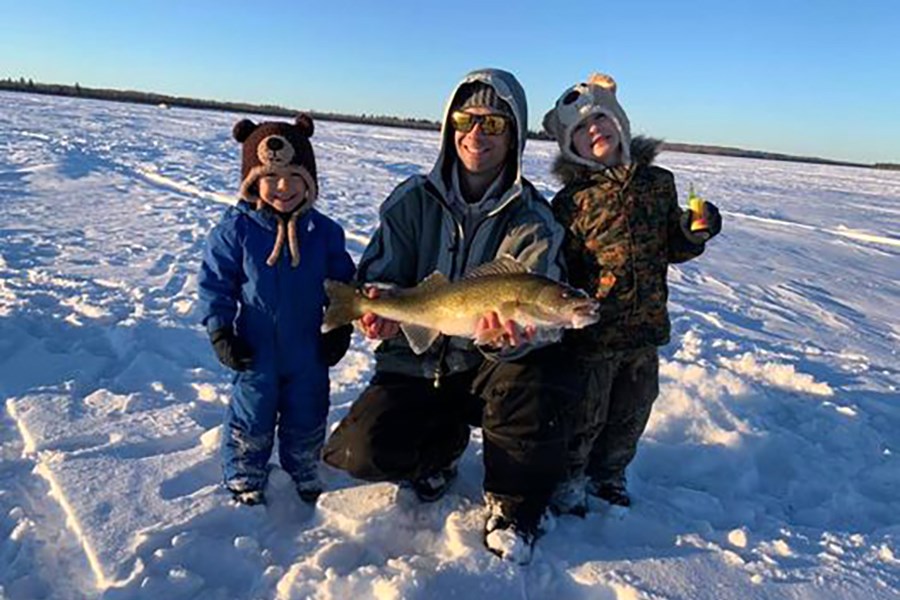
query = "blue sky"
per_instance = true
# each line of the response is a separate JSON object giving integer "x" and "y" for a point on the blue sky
{"x": 798, "y": 76}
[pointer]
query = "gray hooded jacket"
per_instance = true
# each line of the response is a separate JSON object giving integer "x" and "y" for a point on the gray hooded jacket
{"x": 421, "y": 232}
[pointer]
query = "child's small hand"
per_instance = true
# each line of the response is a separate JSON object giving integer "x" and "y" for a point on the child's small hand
{"x": 373, "y": 326}
{"x": 231, "y": 350}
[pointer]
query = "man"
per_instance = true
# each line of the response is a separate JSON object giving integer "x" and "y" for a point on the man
{"x": 412, "y": 422}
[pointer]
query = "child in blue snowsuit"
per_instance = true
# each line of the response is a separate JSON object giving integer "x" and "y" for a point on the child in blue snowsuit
{"x": 262, "y": 299}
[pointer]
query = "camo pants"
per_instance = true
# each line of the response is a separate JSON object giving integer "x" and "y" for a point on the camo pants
{"x": 402, "y": 428}
{"x": 618, "y": 395}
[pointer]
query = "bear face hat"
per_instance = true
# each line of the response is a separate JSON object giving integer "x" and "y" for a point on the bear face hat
{"x": 276, "y": 147}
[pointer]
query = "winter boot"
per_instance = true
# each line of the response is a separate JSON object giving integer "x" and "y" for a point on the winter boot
{"x": 309, "y": 491}
{"x": 503, "y": 536}
{"x": 248, "y": 497}
{"x": 433, "y": 487}
{"x": 613, "y": 492}
{"x": 570, "y": 498}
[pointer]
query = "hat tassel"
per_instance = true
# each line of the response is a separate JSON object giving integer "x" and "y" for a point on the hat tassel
{"x": 293, "y": 244}
{"x": 289, "y": 232}
{"x": 279, "y": 244}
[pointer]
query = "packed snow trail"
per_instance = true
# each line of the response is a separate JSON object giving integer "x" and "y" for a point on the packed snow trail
{"x": 768, "y": 470}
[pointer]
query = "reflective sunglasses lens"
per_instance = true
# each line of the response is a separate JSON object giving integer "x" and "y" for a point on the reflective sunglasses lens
{"x": 490, "y": 124}
{"x": 493, "y": 124}
{"x": 461, "y": 121}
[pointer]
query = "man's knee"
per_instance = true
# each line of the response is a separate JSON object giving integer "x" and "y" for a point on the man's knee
{"x": 354, "y": 447}
{"x": 372, "y": 441}
{"x": 350, "y": 450}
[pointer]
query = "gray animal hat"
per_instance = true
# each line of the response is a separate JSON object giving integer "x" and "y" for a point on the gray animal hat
{"x": 595, "y": 96}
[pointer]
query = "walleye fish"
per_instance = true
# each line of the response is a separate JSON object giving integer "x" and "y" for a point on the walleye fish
{"x": 437, "y": 306}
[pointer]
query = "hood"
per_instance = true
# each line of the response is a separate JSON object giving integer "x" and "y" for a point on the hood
{"x": 643, "y": 152}
{"x": 510, "y": 90}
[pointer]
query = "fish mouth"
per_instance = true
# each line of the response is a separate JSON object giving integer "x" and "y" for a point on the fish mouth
{"x": 585, "y": 313}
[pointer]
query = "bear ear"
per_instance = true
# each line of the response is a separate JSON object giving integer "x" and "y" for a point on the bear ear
{"x": 242, "y": 129}
{"x": 603, "y": 80}
{"x": 551, "y": 122}
{"x": 305, "y": 122}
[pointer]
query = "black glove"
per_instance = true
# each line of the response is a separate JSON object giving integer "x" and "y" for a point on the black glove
{"x": 713, "y": 224}
{"x": 231, "y": 350}
{"x": 333, "y": 345}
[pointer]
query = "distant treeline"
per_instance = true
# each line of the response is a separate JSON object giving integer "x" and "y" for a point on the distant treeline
{"x": 132, "y": 96}
{"x": 27, "y": 85}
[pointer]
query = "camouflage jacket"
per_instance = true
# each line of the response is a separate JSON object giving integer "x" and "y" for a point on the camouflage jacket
{"x": 622, "y": 232}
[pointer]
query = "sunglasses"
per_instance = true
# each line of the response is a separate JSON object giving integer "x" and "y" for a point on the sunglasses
{"x": 490, "y": 124}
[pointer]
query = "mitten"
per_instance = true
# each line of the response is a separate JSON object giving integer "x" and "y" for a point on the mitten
{"x": 231, "y": 350}
{"x": 333, "y": 345}
{"x": 713, "y": 221}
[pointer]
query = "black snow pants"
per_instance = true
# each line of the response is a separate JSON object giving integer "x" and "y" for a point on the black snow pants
{"x": 403, "y": 428}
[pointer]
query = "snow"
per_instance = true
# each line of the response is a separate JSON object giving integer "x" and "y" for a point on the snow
{"x": 768, "y": 470}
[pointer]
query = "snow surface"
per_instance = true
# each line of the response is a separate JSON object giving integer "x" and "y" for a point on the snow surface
{"x": 769, "y": 469}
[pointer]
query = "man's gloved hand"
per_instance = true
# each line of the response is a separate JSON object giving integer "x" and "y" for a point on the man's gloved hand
{"x": 231, "y": 350}
{"x": 713, "y": 223}
{"x": 333, "y": 345}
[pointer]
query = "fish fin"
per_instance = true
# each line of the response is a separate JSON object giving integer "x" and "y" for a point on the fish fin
{"x": 343, "y": 305}
{"x": 505, "y": 312}
{"x": 525, "y": 313}
{"x": 420, "y": 338}
{"x": 434, "y": 281}
{"x": 511, "y": 311}
{"x": 505, "y": 265}
{"x": 489, "y": 336}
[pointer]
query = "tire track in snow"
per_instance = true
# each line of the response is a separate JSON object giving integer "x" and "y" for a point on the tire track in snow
{"x": 841, "y": 231}
{"x": 154, "y": 177}
{"x": 181, "y": 187}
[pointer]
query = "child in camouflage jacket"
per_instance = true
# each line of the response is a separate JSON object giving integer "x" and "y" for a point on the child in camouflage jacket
{"x": 623, "y": 228}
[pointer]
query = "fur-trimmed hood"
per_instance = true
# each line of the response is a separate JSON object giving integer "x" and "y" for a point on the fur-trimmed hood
{"x": 643, "y": 153}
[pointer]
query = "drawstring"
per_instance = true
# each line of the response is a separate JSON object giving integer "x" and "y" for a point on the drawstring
{"x": 293, "y": 244}
{"x": 289, "y": 232}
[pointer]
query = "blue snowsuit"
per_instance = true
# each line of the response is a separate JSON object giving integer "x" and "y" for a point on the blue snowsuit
{"x": 277, "y": 311}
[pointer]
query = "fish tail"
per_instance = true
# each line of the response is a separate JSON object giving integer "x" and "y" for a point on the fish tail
{"x": 344, "y": 305}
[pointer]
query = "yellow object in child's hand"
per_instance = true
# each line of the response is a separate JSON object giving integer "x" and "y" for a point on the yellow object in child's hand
{"x": 699, "y": 226}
